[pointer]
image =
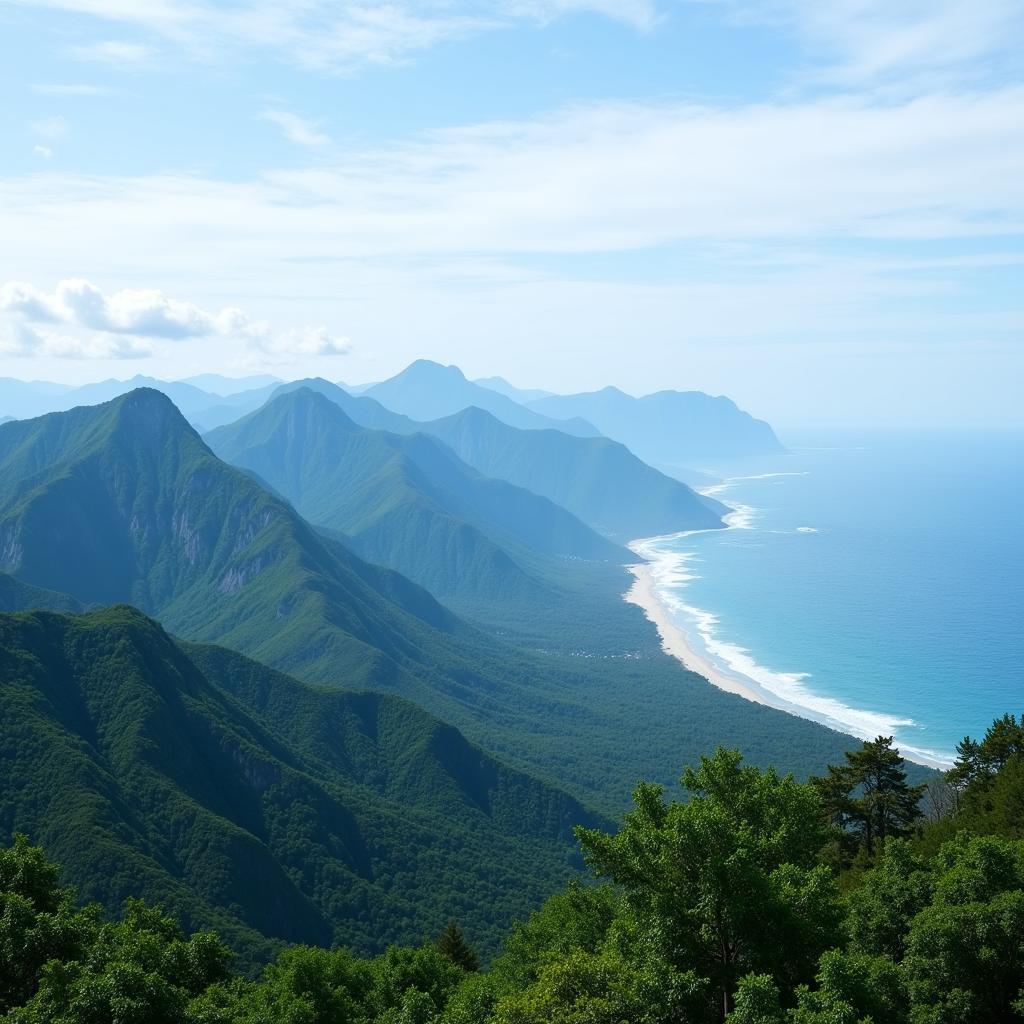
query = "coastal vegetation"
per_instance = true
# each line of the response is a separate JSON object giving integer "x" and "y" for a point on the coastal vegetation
{"x": 720, "y": 906}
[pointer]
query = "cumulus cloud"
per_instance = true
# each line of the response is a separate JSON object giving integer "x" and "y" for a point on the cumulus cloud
{"x": 128, "y": 323}
{"x": 22, "y": 340}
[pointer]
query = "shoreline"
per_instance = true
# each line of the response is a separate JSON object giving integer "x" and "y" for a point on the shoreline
{"x": 677, "y": 644}
{"x": 674, "y": 641}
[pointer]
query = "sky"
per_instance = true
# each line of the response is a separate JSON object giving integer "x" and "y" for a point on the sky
{"x": 815, "y": 208}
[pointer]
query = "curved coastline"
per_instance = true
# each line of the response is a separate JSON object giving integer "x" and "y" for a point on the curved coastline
{"x": 655, "y": 590}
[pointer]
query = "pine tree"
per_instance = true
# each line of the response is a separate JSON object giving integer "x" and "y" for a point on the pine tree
{"x": 453, "y": 945}
{"x": 869, "y": 795}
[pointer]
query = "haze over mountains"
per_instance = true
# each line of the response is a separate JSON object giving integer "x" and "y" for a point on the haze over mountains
{"x": 407, "y": 501}
{"x": 467, "y": 571}
{"x": 670, "y": 429}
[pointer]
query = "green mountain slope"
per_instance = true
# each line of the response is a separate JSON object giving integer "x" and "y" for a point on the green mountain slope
{"x": 361, "y": 410}
{"x": 408, "y": 502}
{"x": 123, "y": 502}
{"x": 425, "y": 390}
{"x": 595, "y": 478}
{"x": 16, "y": 596}
{"x": 241, "y": 798}
{"x": 668, "y": 427}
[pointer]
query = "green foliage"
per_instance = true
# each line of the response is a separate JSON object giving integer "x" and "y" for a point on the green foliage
{"x": 725, "y": 883}
{"x": 452, "y": 943}
{"x": 868, "y": 798}
{"x": 248, "y": 802}
{"x": 717, "y": 912}
{"x": 138, "y": 969}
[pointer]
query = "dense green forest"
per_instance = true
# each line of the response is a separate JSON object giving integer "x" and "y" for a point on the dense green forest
{"x": 728, "y": 904}
{"x": 244, "y": 800}
{"x": 123, "y": 502}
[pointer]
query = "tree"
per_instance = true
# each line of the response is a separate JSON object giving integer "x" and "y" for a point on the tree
{"x": 454, "y": 946}
{"x": 965, "y": 951}
{"x": 869, "y": 795}
{"x": 139, "y": 969}
{"x": 725, "y": 883}
{"x": 37, "y": 921}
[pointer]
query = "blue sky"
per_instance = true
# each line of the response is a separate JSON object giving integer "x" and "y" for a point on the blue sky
{"x": 815, "y": 208}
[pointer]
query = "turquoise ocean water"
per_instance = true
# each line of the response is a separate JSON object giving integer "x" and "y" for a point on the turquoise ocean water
{"x": 872, "y": 581}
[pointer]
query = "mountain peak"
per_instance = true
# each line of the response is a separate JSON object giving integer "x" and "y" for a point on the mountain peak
{"x": 427, "y": 369}
{"x": 311, "y": 402}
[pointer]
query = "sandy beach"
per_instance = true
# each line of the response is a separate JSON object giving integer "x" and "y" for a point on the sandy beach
{"x": 673, "y": 639}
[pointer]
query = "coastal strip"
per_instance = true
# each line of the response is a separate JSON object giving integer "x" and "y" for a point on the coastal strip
{"x": 674, "y": 641}
{"x": 783, "y": 691}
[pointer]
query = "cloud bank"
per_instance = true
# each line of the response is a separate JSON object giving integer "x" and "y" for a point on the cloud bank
{"x": 128, "y": 324}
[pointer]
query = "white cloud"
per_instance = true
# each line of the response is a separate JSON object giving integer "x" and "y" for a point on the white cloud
{"x": 20, "y": 340}
{"x": 44, "y": 151}
{"x": 128, "y": 323}
{"x": 325, "y": 35}
{"x": 114, "y": 52}
{"x": 609, "y": 178}
{"x": 50, "y": 128}
{"x": 296, "y": 129}
{"x": 69, "y": 89}
{"x": 870, "y": 41}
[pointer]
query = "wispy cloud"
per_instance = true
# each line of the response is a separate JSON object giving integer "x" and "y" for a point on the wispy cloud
{"x": 43, "y": 151}
{"x": 50, "y": 128}
{"x": 69, "y": 89}
{"x": 325, "y": 35}
{"x": 870, "y": 42}
{"x": 114, "y": 52}
{"x": 296, "y": 129}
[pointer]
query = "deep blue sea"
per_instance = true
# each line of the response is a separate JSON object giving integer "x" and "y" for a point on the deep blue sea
{"x": 871, "y": 580}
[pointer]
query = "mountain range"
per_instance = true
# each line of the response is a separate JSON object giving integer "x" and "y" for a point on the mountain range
{"x": 207, "y": 780}
{"x": 668, "y": 428}
{"x": 408, "y": 502}
{"x": 596, "y": 479}
{"x": 426, "y": 390}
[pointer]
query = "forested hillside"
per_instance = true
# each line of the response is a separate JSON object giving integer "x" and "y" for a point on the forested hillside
{"x": 719, "y": 907}
{"x": 123, "y": 502}
{"x": 240, "y": 798}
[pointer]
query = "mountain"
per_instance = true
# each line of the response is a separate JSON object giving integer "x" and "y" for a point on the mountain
{"x": 597, "y": 479}
{"x": 16, "y": 596}
{"x": 217, "y": 384}
{"x": 426, "y": 391}
{"x": 205, "y": 408}
{"x": 360, "y": 409}
{"x": 21, "y": 398}
{"x": 123, "y": 502}
{"x": 244, "y": 800}
{"x": 520, "y": 395}
{"x": 408, "y": 502}
{"x": 668, "y": 427}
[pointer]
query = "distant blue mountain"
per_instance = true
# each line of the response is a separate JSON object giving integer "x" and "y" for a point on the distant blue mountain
{"x": 428, "y": 391}
{"x": 668, "y": 427}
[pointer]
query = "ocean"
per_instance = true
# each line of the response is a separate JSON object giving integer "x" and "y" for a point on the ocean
{"x": 873, "y": 581}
